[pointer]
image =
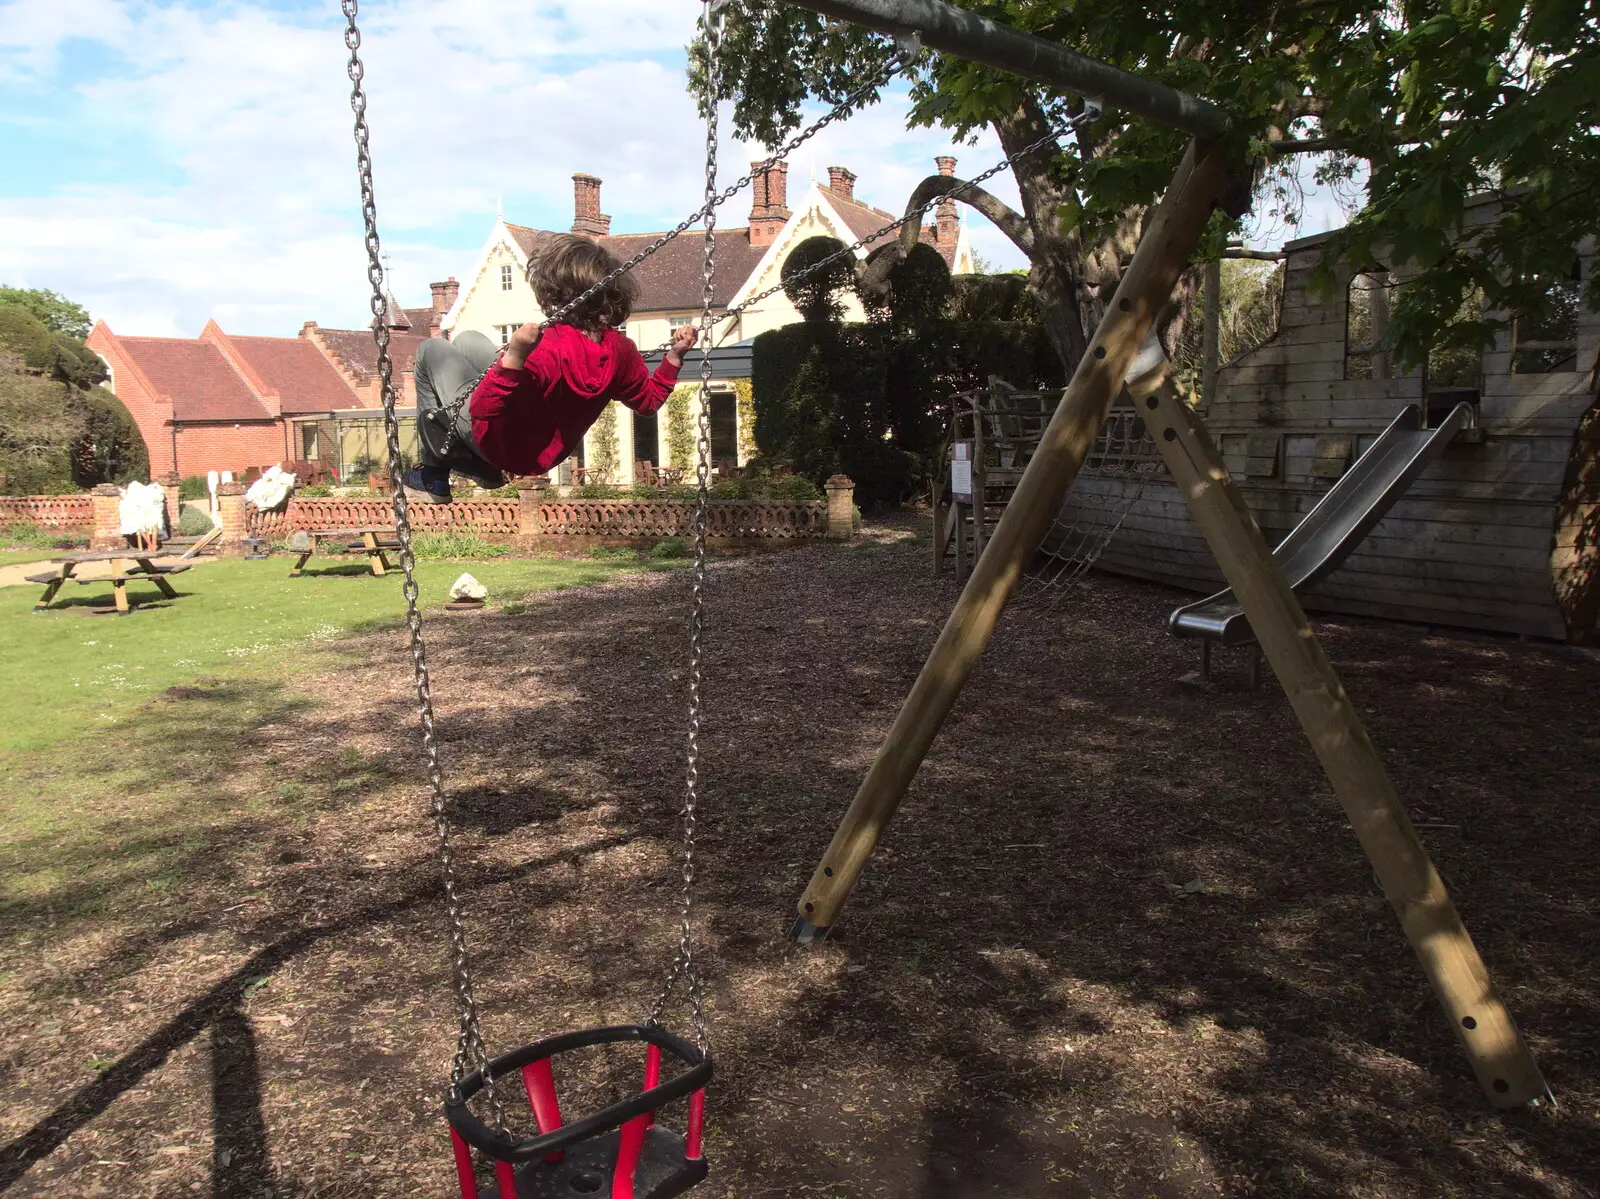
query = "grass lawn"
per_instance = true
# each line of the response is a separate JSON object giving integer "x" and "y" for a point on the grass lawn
{"x": 12, "y": 557}
{"x": 68, "y": 670}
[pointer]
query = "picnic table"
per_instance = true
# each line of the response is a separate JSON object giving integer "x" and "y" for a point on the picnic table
{"x": 374, "y": 541}
{"x": 144, "y": 567}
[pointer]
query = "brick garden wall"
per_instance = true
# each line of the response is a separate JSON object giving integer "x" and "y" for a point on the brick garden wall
{"x": 532, "y": 519}
{"x": 50, "y": 511}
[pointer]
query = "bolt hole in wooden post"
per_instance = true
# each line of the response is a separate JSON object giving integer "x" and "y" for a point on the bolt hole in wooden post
{"x": 1125, "y": 304}
{"x": 1169, "y": 435}
{"x": 1153, "y": 403}
{"x": 1501, "y": 1085}
{"x": 828, "y": 871}
{"x": 1468, "y": 1022}
{"x": 1099, "y": 351}
{"x": 810, "y": 908}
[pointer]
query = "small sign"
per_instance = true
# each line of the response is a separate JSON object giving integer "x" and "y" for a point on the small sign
{"x": 961, "y": 471}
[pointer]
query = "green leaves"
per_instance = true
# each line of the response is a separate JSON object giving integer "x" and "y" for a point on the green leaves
{"x": 1441, "y": 101}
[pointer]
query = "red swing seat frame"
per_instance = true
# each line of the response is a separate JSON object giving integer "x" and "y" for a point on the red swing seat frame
{"x": 616, "y": 1153}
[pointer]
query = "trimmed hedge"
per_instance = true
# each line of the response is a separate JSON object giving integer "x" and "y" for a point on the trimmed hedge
{"x": 873, "y": 400}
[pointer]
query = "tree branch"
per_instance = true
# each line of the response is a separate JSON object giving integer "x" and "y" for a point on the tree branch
{"x": 874, "y": 275}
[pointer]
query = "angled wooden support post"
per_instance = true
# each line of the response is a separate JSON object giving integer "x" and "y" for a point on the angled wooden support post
{"x": 1202, "y": 179}
{"x": 1499, "y": 1057}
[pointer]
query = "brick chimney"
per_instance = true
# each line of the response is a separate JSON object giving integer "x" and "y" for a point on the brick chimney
{"x": 842, "y": 183}
{"x": 587, "y": 219}
{"x": 947, "y": 229}
{"x": 444, "y": 295}
{"x": 769, "y": 210}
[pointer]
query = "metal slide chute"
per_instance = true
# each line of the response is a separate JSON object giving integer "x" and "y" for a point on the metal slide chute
{"x": 1330, "y": 531}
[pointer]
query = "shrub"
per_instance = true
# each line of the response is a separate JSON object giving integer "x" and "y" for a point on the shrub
{"x": 815, "y": 295}
{"x": 314, "y": 491}
{"x": 193, "y": 487}
{"x": 597, "y": 491}
{"x": 680, "y": 427}
{"x": 455, "y": 545}
{"x": 112, "y": 449}
{"x": 606, "y": 454}
{"x": 792, "y": 489}
{"x": 27, "y": 337}
{"x": 29, "y": 536}
{"x": 193, "y": 521}
{"x": 670, "y": 547}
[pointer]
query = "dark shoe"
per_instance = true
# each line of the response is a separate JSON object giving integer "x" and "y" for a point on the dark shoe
{"x": 427, "y": 486}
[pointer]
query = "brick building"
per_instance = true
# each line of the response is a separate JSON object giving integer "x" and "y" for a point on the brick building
{"x": 225, "y": 402}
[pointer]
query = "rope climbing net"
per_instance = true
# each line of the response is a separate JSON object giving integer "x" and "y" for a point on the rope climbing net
{"x": 997, "y": 430}
{"x": 1108, "y": 488}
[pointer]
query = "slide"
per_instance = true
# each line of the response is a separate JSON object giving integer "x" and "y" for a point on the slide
{"x": 1337, "y": 524}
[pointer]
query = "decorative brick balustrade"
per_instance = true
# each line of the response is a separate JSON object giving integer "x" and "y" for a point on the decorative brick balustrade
{"x": 643, "y": 521}
{"x": 533, "y": 518}
{"x": 49, "y": 511}
{"x": 488, "y": 517}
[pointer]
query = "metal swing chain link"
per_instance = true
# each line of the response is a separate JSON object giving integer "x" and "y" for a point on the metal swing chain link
{"x": 471, "y": 1050}
{"x": 714, "y": 200}
{"x": 683, "y": 966}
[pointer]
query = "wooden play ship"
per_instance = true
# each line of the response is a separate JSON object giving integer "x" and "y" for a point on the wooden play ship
{"x": 1498, "y": 530}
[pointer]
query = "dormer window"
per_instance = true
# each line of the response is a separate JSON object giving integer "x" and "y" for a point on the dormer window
{"x": 505, "y": 277}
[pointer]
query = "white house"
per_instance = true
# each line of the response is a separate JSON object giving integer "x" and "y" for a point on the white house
{"x": 495, "y": 296}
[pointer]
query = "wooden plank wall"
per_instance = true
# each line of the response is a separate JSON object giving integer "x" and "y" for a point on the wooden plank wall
{"x": 1502, "y": 535}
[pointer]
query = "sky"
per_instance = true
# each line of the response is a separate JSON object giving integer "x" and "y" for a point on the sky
{"x": 168, "y": 163}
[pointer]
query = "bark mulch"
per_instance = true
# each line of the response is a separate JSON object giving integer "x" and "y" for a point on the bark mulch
{"x": 1120, "y": 940}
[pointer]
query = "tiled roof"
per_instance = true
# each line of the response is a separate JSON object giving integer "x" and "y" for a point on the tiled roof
{"x": 864, "y": 219}
{"x": 669, "y": 280}
{"x": 195, "y": 377}
{"x": 355, "y": 348}
{"x": 304, "y": 380}
{"x": 421, "y": 319}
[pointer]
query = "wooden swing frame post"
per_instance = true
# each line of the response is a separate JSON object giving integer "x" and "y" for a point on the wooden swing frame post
{"x": 1499, "y": 1056}
{"x": 1202, "y": 178}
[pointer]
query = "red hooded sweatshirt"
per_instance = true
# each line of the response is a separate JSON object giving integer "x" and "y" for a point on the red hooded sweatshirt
{"x": 525, "y": 421}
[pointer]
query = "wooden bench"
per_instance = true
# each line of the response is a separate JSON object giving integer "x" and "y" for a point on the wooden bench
{"x": 119, "y": 582}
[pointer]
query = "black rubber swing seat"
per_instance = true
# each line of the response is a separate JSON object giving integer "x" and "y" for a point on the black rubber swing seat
{"x": 616, "y": 1153}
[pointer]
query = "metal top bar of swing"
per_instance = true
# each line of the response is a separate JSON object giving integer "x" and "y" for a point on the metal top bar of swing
{"x": 966, "y": 34}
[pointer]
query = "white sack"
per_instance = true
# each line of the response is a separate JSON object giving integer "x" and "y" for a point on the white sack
{"x": 142, "y": 509}
{"x": 468, "y": 588}
{"x": 271, "y": 489}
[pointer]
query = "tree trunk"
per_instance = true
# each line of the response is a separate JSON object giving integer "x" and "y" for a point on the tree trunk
{"x": 1058, "y": 280}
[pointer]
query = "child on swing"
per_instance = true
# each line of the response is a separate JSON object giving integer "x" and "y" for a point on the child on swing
{"x": 538, "y": 400}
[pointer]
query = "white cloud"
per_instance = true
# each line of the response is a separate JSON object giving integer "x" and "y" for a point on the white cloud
{"x": 248, "y": 210}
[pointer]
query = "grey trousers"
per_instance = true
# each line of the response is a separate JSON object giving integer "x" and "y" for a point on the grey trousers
{"x": 445, "y": 373}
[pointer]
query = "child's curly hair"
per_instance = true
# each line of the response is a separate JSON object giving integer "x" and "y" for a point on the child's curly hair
{"x": 565, "y": 267}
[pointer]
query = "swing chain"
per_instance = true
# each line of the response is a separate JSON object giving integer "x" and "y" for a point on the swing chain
{"x": 683, "y": 966}
{"x": 707, "y": 211}
{"x": 470, "y": 1047}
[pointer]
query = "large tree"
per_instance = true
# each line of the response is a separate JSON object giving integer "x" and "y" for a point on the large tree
{"x": 1439, "y": 101}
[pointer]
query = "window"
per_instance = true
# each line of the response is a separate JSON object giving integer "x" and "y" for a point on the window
{"x": 646, "y": 438}
{"x": 505, "y": 277}
{"x": 505, "y": 332}
{"x": 1366, "y": 322}
{"x": 678, "y": 322}
{"x": 1545, "y": 339}
{"x": 724, "y": 427}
